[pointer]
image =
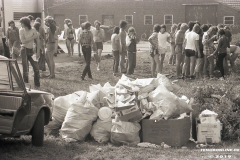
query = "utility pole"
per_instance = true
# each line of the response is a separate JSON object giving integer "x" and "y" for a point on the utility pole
{"x": 3, "y": 15}
{"x": 43, "y": 13}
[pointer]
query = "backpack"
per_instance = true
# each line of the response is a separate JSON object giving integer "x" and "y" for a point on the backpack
{"x": 85, "y": 37}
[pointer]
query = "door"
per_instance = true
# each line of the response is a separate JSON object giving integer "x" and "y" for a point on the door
{"x": 59, "y": 19}
{"x": 205, "y": 14}
{"x": 14, "y": 102}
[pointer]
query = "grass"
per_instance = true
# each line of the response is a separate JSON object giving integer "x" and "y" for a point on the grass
{"x": 68, "y": 81}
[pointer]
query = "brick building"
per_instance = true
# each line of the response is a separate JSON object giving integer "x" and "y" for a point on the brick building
{"x": 143, "y": 14}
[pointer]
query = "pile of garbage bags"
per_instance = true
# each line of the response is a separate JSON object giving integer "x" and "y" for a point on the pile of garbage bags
{"x": 112, "y": 113}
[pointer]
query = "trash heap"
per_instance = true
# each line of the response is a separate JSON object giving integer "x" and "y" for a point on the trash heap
{"x": 115, "y": 113}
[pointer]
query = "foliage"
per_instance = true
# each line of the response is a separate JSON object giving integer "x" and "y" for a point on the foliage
{"x": 225, "y": 102}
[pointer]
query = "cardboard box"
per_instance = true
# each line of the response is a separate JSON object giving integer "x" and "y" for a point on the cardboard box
{"x": 129, "y": 113}
{"x": 173, "y": 132}
{"x": 209, "y": 132}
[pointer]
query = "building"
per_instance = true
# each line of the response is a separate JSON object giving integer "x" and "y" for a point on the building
{"x": 143, "y": 14}
{"x": 15, "y": 9}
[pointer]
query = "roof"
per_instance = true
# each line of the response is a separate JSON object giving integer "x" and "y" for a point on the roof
{"x": 231, "y": 3}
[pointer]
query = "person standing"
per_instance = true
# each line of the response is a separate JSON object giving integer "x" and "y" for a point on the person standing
{"x": 172, "y": 57}
{"x": 221, "y": 51}
{"x": 123, "y": 48}
{"x": 179, "y": 39}
{"x": 191, "y": 49}
{"x": 153, "y": 40}
{"x": 13, "y": 40}
{"x": 80, "y": 29}
{"x": 66, "y": 21}
{"x": 71, "y": 37}
{"x": 57, "y": 33}
{"x": 50, "y": 45}
{"x": 208, "y": 48}
{"x": 163, "y": 39}
{"x": 42, "y": 38}
{"x": 86, "y": 41}
{"x": 98, "y": 37}
{"x": 199, "y": 59}
{"x": 27, "y": 35}
{"x": 115, "y": 49}
{"x": 131, "y": 44}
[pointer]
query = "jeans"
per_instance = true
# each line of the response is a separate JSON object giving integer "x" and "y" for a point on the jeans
{"x": 116, "y": 61}
{"x": 131, "y": 62}
{"x": 87, "y": 56}
{"x": 122, "y": 62}
{"x": 207, "y": 61}
{"x": 221, "y": 56}
{"x": 25, "y": 59}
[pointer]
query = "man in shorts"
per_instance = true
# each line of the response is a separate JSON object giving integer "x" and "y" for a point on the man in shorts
{"x": 98, "y": 38}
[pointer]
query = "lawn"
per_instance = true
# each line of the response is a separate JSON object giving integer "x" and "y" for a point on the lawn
{"x": 68, "y": 81}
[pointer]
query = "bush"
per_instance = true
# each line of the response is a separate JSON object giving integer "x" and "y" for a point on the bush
{"x": 225, "y": 102}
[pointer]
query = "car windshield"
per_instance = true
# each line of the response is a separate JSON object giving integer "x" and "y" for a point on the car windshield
{"x": 10, "y": 79}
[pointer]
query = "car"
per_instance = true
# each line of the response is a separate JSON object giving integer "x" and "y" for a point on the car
{"x": 23, "y": 111}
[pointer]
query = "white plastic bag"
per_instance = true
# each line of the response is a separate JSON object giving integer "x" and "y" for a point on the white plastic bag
{"x": 125, "y": 133}
{"x": 101, "y": 131}
{"x": 79, "y": 118}
{"x": 170, "y": 104}
{"x": 162, "y": 79}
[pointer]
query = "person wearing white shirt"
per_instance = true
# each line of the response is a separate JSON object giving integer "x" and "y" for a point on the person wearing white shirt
{"x": 163, "y": 39}
{"x": 191, "y": 49}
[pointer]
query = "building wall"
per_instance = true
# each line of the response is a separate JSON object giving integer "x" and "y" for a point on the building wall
{"x": 8, "y": 12}
{"x": 119, "y": 8}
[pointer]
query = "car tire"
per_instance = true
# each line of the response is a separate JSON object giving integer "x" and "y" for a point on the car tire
{"x": 38, "y": 129}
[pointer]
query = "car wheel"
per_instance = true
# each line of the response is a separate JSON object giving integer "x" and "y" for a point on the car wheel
{"x": 38, "y": 130}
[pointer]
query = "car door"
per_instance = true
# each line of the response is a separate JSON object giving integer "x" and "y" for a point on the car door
{"x": 14, "y": 100}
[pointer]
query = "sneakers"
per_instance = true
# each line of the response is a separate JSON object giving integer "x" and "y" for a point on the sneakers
{"x": 98, "y": 68}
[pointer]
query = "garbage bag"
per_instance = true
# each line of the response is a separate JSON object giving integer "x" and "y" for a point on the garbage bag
{"x": 170, "y": 104}
{"x": 103, "y": 92}
{"x": 53, "y": 127}
{"x": 79, "y": 118}
{"x": 162, "y": 79}
{"x": 101, "y": 131}
{"x": 94, "y": 97}
{"x": 125, "y": 133}
{"x": 62, "y": 104}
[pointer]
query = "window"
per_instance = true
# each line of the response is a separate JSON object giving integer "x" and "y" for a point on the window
{"x": 9, "y": 77}
{"x": 168, "y": 19}
{"x": 228, "y": 20}
{"x": 148, "y": 20}
{"x": 108, "y": 20}
{"x": 82, "y": 19}
{"x": 129, "y": 19}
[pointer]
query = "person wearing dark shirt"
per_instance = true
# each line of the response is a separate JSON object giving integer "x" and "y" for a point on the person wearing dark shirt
{"x": 221, "y": 51}
{"x": 13, "y": 39}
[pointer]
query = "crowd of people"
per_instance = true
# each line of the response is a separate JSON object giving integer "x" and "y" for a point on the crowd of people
{"x": 32, "y": 38}
{"x": 194, "y": 47}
